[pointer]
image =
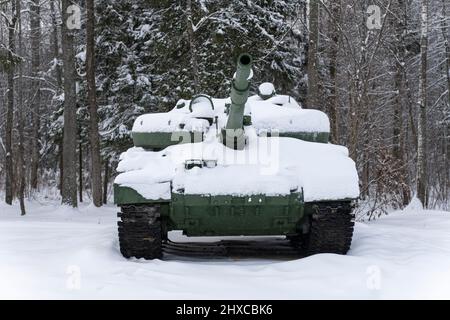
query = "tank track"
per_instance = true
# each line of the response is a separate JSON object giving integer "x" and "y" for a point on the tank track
{"x": 140, "y": 231}
{"x": 330, "y": 230}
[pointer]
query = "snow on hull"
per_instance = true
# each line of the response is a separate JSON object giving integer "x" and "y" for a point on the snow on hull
{"x": 270, "y": 166}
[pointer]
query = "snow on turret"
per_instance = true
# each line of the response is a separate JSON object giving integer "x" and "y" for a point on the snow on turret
{"x": 266, "y": 90}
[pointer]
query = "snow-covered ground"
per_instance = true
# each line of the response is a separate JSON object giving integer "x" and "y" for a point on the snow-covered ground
{"x": 62, "y": 253}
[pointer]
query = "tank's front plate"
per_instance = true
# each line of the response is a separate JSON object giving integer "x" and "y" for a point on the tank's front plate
{"x": 202, "y": 215}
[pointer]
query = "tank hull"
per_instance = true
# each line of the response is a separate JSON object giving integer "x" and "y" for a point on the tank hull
{"x": 226, "y": 215}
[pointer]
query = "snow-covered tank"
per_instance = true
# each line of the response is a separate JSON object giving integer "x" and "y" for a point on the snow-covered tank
{"x": 241, "y": 166}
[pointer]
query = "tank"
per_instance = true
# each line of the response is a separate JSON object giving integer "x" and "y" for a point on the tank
{"x": 246, "y": 165}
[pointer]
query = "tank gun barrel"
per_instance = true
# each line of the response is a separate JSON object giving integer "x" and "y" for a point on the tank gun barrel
{"x": 233, "y": 135}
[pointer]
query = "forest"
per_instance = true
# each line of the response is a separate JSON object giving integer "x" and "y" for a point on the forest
{"x": 74, "y": 75}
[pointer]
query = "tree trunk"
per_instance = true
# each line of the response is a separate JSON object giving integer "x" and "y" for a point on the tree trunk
{"x": 105, "y": 182}
{"x": 96, "y": 170}
{"x": 21, "y": 123}
{"x": 447, "y": 122}
{"x": 35, "y": 35}
{"x": 58, "y": 74}
{"x": 398, "y": 150}
{"x": 422, "y": 185}
{"x": 334, "y": 47}
{"x": 355, "y": 110}
{"x": 69, "y": 187}
{"x": 444, "y": 29}
{"x": 313, "y": 78}
{"x": 398, "y": 112}
{"x": 351, "y": 119}
{"x": 61, "y": 166}
{"x": 399, "y": 140}
{"x": 411, "y": 104}
{"x": 9, "y": 192}
{"x": 55, "y": 44}
{"x": 398, "y": 49}
{"x": 192, "y": 46}
{"x": 80, "y": 170}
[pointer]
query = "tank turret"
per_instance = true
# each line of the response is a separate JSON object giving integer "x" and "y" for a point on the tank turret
{"x": 233, "y": 135}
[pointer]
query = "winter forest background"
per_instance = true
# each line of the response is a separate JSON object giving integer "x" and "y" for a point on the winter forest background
{"x": 382, "y": 78}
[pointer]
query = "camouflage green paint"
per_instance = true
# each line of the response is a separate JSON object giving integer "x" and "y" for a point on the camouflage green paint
{"x": 233, "y": 134}
{"x": 162, "y": 140}
{"x": 204, "y": 215}
{"x": 321, "y": 137}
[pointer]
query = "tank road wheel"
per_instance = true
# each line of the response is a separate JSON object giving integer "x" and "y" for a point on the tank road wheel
{"x": 330, "y": 230}
{"x": 140, "y": 231}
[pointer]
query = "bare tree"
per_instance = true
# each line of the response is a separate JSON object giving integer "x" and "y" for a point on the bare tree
{"x": 55, "y": 43}
{"x": 105, "y": 182}
{"x": 69, "y": 187}
{"x": 80, "y": 170}
{"x": 96, "y": 169}
{"x": 422, "y": 184}
{"x": 334, "y": 47}
{"x": 58, "y": 73}
{"x": 192, "y": 46}
{"x": 444, "y": 26}
{"x": 313, "y": 78}
{"x": 21, "y": 121}
{"x": 398, "y": 150}
{"x": 12, "y": 22}
{"x": 35, "y": 35}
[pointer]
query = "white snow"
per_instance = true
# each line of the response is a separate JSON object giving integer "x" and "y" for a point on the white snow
{"x": 271, "y": 166}
{"x": 152, "y": 183}
{"x": 165, "y": 122}
{"x": 281, "y": 113}
{"x": 81, "y": 56}
{"x": 62, "y": 253}
{"x": 266, "y": 89}
{"x": 145, "y": 29}
{"x": 233, "y": 180}
{"x": 269, "y": 116}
